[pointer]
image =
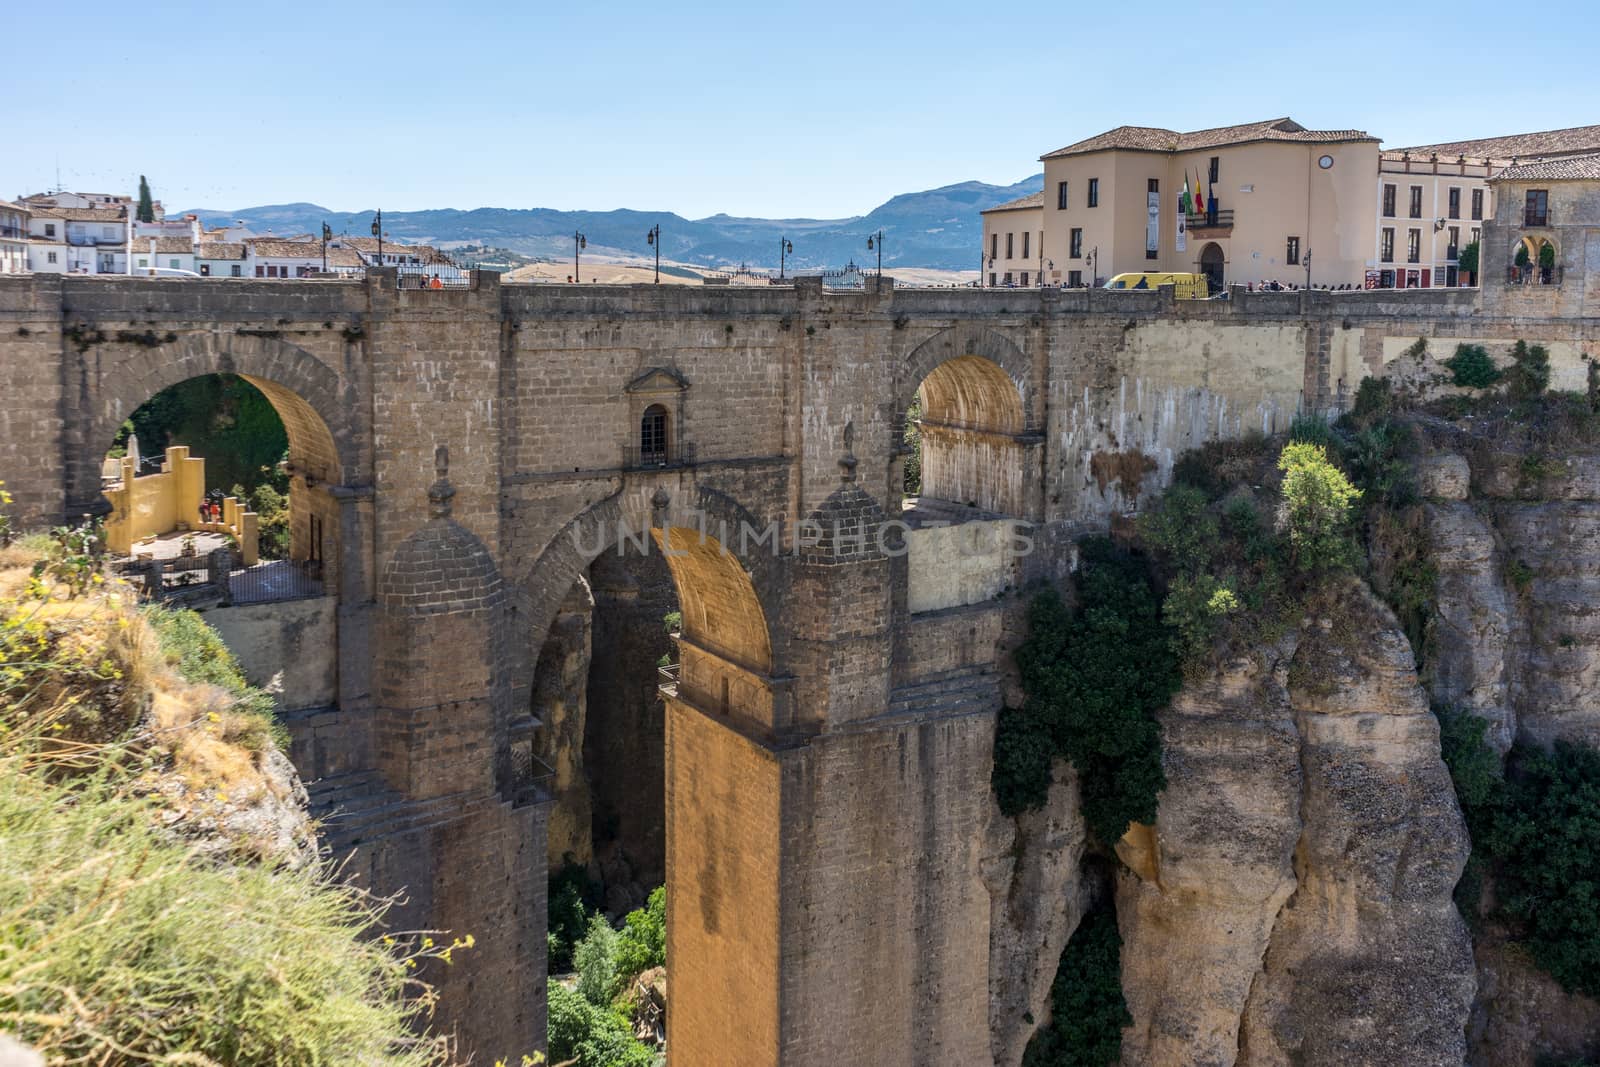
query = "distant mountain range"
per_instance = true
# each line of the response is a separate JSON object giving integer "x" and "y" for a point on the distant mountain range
{"x": 937, "y": 228}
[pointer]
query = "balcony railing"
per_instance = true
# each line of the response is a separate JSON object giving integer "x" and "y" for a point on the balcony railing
{"x": 436, "y": 278}
{"x": 668, "y": 679}
{"x": 1535, "y": 217}
{"x": 1533, "y": 275}
{"x": 13, "y": 231}
{"x": 676, "y": 454}
{"x": 1222, "y": 217}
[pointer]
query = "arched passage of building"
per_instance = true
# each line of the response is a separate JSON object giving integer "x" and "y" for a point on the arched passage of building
{"x": 1534, "y": 260}
{"x": 1213, "y": 265}
{"x": 977, "y": 451}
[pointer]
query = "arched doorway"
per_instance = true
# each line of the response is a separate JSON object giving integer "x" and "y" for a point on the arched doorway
{"x": 1212, "y": 265}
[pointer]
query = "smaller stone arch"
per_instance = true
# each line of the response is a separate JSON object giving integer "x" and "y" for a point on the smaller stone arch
{"x": 305, "y": 392}
{"x": 967, "y": 339}
{"x": 977, "y": 452}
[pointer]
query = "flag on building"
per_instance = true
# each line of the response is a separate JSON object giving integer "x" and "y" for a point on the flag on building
{"x": 1199, "y": 197}
{"x": 1185, "y": 201}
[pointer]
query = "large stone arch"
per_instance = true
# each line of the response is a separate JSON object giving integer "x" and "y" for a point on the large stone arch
{"x": 540, "y": 591}
{"x": 307, "y": 394}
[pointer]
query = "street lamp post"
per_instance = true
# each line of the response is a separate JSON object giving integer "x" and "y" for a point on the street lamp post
{"x": 876, "y": 241}
{"x": 579, "y": 243}
{"x": 785, "y": 247}
{"x": 1308, "y": 266}
{"x": 653, "y": 238}
{"x": 377, "y": 231}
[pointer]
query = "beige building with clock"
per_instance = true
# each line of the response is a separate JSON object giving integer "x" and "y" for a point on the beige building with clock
{"x": 1280, "y": 203}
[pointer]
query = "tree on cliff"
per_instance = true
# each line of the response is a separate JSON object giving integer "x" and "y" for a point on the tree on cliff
{"x": 146, "y": 211}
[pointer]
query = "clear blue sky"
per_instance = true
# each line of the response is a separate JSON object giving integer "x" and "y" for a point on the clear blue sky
{"x": 776, "y": 109}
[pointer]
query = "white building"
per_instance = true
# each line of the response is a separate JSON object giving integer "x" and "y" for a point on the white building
{"x": 77, "y": 240}
{"x": 13, "y": 238}
{"x": 167, "y": 253}
{"x": 220, "y": 259}
{"x": 275, "y": 257}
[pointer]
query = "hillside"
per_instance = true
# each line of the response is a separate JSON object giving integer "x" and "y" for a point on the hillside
{"x": 161, "y": 896}
{"x": 936, "y": 228}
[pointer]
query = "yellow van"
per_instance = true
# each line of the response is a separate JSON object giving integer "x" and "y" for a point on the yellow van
{"x": 1185, "y": 286}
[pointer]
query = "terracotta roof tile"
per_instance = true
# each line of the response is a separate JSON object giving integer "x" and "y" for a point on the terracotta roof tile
{"x": 1156, "y": 139}
{"x": 82, "y": 214}
{"x": 1570, "y": 168}
{"x": 279, "y": 248}
{"x": 164, "y": 245}
{"x": 1575, "y": 139}
{"x": 221, "y": 250}
{"x": 1021, "y": 203}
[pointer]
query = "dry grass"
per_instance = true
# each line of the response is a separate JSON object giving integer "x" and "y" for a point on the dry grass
{"x": 133, "y": 929}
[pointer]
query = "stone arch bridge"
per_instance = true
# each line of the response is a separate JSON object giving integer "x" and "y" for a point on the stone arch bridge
{"x": 459, "y": 457}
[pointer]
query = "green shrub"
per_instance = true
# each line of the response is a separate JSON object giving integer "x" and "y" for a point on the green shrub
{"x": 1311, "y": 430}
{"x": 1094, "y": 678}
{"x": 912, "y": 439}
{"x": 1181, "y": 528}
{"x": 1529, "y": 373}
{"x": 1374, "y": 401}
{"x": 591, "y": 1036}
{"x": 1377, "y": 459}
{"x": 1467, "y": 260}
{"x": 1521, "y": 259}
{"x": 1087, "y": 1009}
{"x": 1218, "y": 467}
{"x": 595, "y": 959}
{"x": 1193, "y": 608}
{"x": 1547, "y": 255}
{"x": 1472, "y": 367}
{"x": 1545, "y": 841}
{"x": 1316, "y": 508}
{"x": 1536, "y": 831}
{"x": 572, "y": 898}
{"x": 643, "y": 941}
{"x": 672, "y": 621}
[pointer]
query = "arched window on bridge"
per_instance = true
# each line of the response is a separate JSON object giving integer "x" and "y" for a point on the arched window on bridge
{"x": 653, "y": 440}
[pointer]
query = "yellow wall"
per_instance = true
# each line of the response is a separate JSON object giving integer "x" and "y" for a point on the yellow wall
{"x": 155, "y": 504}
{"x": 1015, "y": 222}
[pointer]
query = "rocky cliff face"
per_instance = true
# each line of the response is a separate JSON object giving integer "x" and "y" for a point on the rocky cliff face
{"x": 1514, "y": 535}
{"x": 1292, "y": 904}
{"x": 1037, "y": 894}
{"x": 560, "y": 703}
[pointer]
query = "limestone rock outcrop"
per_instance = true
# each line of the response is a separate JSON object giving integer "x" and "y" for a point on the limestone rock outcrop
{"x": 1037, "y": 897}
{"x": 1515, "y": 638}
{"x": 560, "y": 702}
{"x": 1292, "y": 903}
